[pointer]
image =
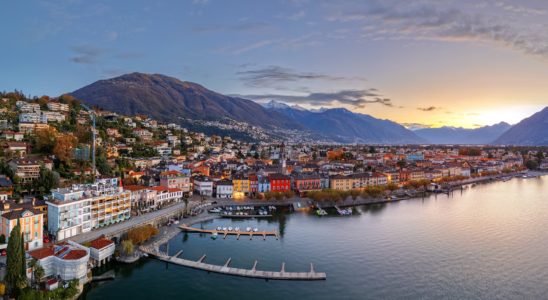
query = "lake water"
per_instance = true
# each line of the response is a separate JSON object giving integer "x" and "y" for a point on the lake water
{"x": 486, "y": 242}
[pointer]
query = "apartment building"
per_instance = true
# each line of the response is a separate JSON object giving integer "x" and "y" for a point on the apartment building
{"x": 84, "y": 207}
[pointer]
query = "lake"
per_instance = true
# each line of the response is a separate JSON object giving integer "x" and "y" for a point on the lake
{"x": 485, "y": 242}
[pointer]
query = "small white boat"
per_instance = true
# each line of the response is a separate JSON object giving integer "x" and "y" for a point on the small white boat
{"x": 237, "y": 229}
{"x": 145, "y": 255}
{"x": 255, "y": 229}
{"x": 248, "y": 229}
{"x": 219, "y": 228}
{"x": 224, "y": 228}
{"x": 229, "y": 228}
{"x": 214, "y": 235}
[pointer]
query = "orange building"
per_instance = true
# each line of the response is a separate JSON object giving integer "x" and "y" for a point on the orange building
{"x": 32, "y": 226}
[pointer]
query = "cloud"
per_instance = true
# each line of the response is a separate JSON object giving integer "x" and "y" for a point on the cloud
{"x": 272, "y": 76}
{"x": 352, "y": 98}
{"x": 85, "y": 54}
{"x": 416, "y": 126}
{"x": 429, "y": 108}
{"x": 431, "y": 21}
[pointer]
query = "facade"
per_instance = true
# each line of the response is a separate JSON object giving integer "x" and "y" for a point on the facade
{"x": 304, "y": 183}
{"x": 241, "y": 185}
{"x": 279, "y": 182}
{"x": 101, "y": 251}
{"x": 56, "y": 106}
{"x": 28, "y": 169}
{"x": 203, "y": 186}
{"x": 81, "y": 208}
{"x": 32, "y": 117}
{"x": 32, "y": 224}
{"x": 224, "y": 189}
{"x": 263, "y": 185}
{"x": 175, "y": 179}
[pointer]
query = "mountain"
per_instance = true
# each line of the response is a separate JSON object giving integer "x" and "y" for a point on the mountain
{"x": 532, "y": 131}
{"x": 171, "y": 100}
{"x": 458, "y": 135}
{"x": 344, "y": 126}
{"x": 168, "y": 99}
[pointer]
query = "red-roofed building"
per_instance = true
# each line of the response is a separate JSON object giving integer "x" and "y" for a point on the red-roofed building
{"x": 101, "y": 250}
{"x": 67, "y": 260}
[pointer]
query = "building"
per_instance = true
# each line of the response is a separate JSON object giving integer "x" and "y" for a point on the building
{"x": 32, "y": 225}
{"x": 203, "y": 186}
{"x": 304, "y": 183}
{"x": 242, "y": 186}
{"x": 68, "y": 260}
{"x": 56, "y": 106}
{"x": 28, "y": 169}
{"x": 175, "y": 179}
{"x": 224, "y": 189}
{"x": 263, "y": 185}
{"x": 53, "y": 116}
{"x": 33, "y": 118}
{"x": 101, "y": 251}
{"x": 16, "y": 148}
{"x": 279, "y": 182}
{"x": 83, "y": 207}
{"x": 164, "y": 196}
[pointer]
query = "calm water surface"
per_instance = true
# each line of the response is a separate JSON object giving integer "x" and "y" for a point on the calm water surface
{"x": 486, "y": 242}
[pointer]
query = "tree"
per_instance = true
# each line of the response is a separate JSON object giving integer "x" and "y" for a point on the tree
{"x": 45, "y": 139}
{"x": 37, "y": 270}
{"x": 14, "y": 259}
{"x": 127, "y": 247}
{"x": 47, "y": 181}
{"x": 64, "y": 147}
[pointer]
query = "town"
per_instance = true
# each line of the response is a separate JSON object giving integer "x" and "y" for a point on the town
{"x": 68, "y": 171}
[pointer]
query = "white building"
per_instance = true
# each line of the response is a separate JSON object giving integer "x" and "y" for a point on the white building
{"x": 81, "y": 208}
{"x": 56, "y": 106}
{"x": 101, "y": 251}
{"x": 224, "y": 189}
{"x": 67, "y": 260}
{"x": 53, "y": 116}
{"x": 203, "y": 186}
{"x": 32, "y": 118}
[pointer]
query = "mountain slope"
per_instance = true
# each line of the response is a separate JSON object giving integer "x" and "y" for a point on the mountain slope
{"x": 454, "y": 135}
{"x": 532, "y": 131}
{"x": 167, "y": 99}
{"x": 344, "y": 126}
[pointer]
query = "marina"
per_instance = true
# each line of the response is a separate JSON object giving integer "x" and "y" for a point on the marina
{"x": 227, "y": 270}
{"x": 229, "y": 231}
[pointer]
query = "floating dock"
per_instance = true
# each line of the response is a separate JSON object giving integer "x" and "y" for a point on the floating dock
{"x": 227, "y": 270}
{"x": 225, "y": 233}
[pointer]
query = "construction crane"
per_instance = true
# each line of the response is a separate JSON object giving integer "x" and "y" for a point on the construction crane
{"x": 92, "y": 114}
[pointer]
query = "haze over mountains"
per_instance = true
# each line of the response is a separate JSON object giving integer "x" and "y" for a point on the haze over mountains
{"x": 170, "y": 100}
{"x": 458, "y": 135}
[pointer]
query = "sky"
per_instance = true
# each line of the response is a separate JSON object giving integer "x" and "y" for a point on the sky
{"x": 421, "y": 63}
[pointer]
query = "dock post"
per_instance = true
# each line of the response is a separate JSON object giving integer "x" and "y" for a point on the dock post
{"x": 202, "y": 258}
{"x": 283, "y": 268}
{"x": 228, "y": 262}
{"x": 254, "y": 266}
{"x": 312, "y": 268}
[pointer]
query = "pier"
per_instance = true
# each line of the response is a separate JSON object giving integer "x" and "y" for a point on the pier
{"x": 227, "y": 270}
{"x": 225, "y": 233}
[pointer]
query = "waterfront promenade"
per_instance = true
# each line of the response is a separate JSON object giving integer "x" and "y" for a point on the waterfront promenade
{"x": 134, "y": 221}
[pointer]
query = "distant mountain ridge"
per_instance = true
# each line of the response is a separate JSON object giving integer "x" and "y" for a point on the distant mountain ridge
{"x": 532, "y": 131}
{"x": 459, "y": 135}
{"x": 345, "y": 126}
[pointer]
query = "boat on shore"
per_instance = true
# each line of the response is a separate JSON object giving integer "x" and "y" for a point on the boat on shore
{"x": 321, "y": 212}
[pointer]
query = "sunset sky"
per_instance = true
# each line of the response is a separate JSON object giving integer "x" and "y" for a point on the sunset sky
{"x": 421, "y": 63}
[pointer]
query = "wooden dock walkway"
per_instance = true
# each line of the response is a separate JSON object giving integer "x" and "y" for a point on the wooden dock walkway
{"x": 225, "y": 233}
{"x": 227, "y": 270}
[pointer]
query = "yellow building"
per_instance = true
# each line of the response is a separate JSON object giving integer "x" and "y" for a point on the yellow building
{"x": 32, "y": 224}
